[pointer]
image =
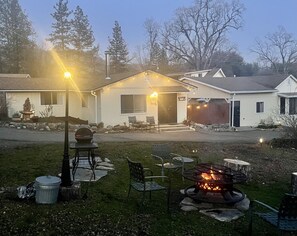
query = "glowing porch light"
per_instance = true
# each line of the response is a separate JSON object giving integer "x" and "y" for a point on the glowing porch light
{"x": 189, "y": 106}
{"x": 205, "y": 105}
{"x": 154, "y": 95}
{"x": 67, "y": 75}
{"x": 198, "y": 107}
{"x": 153, "y": 98}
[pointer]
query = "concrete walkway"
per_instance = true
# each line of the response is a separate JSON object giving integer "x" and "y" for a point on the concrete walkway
{"x": 14, "y": 137}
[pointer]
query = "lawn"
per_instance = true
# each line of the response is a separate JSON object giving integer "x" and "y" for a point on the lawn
{"x": 107, "y": 211}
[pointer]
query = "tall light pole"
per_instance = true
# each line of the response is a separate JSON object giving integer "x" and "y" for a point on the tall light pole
{"x": 65, "y": 177}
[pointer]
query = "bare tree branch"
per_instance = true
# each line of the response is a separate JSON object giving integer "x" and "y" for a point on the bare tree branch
{"x": 198, "y": 31}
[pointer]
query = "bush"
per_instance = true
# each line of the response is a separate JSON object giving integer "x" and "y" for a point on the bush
{"x": 283, "y": 143}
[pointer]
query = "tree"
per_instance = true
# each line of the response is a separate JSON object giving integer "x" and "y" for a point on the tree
{"x": 117, "y": 50}
{"x": 16, "y": 37}
{"x": 157, "y": 56}
{"x": 233, "y": 64}
{"x": 197, "y": 32}
{"x": 61, "y": 34}
{"x": 83, "y": 42}
{"x": 278, "y": 50}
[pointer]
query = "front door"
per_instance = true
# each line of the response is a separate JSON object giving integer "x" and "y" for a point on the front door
{"x": 167, "y": 108}
{"x": 236, "y": 119}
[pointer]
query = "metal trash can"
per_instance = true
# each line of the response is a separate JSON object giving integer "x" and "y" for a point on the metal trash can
{"x": 47, "y": 189}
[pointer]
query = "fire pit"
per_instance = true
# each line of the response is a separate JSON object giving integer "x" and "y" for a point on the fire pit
{"x": 214, "y": 183}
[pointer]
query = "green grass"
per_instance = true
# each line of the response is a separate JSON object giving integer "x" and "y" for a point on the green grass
{"x": 107, "y": 211}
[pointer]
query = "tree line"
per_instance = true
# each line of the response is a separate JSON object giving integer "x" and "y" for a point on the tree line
{"x": 196, "y": 38}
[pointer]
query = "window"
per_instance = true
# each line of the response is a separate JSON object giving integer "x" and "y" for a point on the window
{"x": 282, "y": 106}
{"x": 259, "y": 107}
{"x": 133, "y": 103}
{"x": 49, "y": 98}
{"x": 292, "y": 106}
{"x": 84, "y": 100}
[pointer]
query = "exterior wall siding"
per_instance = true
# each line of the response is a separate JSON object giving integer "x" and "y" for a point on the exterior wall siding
{"x": 248, "y": 114}
{"x": 141, "y": 84}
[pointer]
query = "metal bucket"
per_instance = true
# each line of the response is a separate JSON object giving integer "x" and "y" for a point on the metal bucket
{"x": 47, "y": 189}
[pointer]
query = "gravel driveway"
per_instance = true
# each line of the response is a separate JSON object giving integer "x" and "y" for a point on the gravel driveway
{"x": 10, "y": 137}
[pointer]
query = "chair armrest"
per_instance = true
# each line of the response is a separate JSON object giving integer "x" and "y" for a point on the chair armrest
{"x": 156, "y": 177}
{"x": 160, "y": 177}
{"x": 158, "y": 157}
{"x": 145, "y": 169}
{"x": 265, "y": 205}
{"x": 175, "y": 154}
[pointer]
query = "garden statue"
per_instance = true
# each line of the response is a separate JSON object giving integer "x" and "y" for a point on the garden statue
{"x": 27, "y": 112}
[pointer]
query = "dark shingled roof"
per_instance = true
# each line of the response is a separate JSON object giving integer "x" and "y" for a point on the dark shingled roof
{"x": 243, "y": 84}
{"x": 19, "y": 83}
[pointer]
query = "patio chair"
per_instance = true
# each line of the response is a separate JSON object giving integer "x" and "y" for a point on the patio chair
{"x": 150, "y": 120}
{"x": 142, "y": 180}
{"x": 132, "y": 121}
{"x": 169, "y": 160}
{"x": 284, "y": 219}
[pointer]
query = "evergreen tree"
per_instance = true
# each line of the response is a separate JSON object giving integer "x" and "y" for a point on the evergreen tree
{"x": 16, "y": 37}
{"x": 83, "y": 42}
{"x": 118, "y": 50}
{"x": 61, "y": 34}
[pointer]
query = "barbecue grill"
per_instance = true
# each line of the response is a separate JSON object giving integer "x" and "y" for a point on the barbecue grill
{"x": 84, "y": 135}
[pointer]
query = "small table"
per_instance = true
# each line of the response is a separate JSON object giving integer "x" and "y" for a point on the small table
{"x": 84, "y": 147}
{"x": 240, "y": 165}
{"x": 183, "y": 160}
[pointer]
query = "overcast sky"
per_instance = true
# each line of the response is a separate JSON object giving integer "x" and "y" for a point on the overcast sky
{"x": 260, "y": 17}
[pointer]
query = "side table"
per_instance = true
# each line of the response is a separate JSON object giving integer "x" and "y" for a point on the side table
{"x": 89, "y": 149}
{"x": 242, "y": 166}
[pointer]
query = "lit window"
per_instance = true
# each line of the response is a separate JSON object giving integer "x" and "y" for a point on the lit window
{"x": 259, "y": 107}
{"x": 49, "y": 98}
{"x": 133, "y": 103}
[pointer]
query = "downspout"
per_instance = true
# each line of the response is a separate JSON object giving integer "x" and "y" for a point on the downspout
{"x": 232, "y": 118}
{"x": 96, "y": 114}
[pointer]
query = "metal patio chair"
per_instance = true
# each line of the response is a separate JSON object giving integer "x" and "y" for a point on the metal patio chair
{"x": 150, "y": 120}
{"x": 284, "y": 219}
{"x": 169, "y": 160}
{"x": 142, "y": 180}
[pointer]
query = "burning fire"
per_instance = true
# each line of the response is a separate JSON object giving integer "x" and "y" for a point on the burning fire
{"x": 209, "y": 186}
{"x": 210, "y": 176}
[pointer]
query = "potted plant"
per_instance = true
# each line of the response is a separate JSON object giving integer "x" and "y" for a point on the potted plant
{"x": 16, "y": 116}
{"x": 34, "y": 119}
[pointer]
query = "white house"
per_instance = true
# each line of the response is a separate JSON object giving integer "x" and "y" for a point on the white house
{"x": 255, "y": 99}
{"x": 110, "y": 101}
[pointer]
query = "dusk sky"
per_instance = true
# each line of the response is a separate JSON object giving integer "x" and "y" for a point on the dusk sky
{"x": 260, "y": 17}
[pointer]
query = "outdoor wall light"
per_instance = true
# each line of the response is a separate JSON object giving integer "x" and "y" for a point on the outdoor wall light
{"x": 153, "y": 98}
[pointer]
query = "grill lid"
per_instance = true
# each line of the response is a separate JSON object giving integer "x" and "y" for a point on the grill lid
{"x": 84, "y": 135}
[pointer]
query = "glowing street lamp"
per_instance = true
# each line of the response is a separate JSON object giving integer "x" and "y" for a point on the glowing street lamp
{"x": 65, "y": 177}
{"x": 261, "y": 140}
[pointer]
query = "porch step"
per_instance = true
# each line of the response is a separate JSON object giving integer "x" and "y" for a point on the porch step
{"x": 174, "y": 128}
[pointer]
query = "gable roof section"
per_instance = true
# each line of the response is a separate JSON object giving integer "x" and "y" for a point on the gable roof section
{"x": 253, "y": 84}
{"x": 18, "y": 83}
{"x": 24, "y": 76}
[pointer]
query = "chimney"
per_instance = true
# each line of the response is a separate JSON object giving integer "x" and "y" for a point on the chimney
{"x": 107, "y": 67}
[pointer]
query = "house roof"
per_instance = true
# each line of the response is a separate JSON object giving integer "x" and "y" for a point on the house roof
{"x": 18, "y": 83}
{"x": 24, "y": 76}
{"x": 253, "y": 84}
